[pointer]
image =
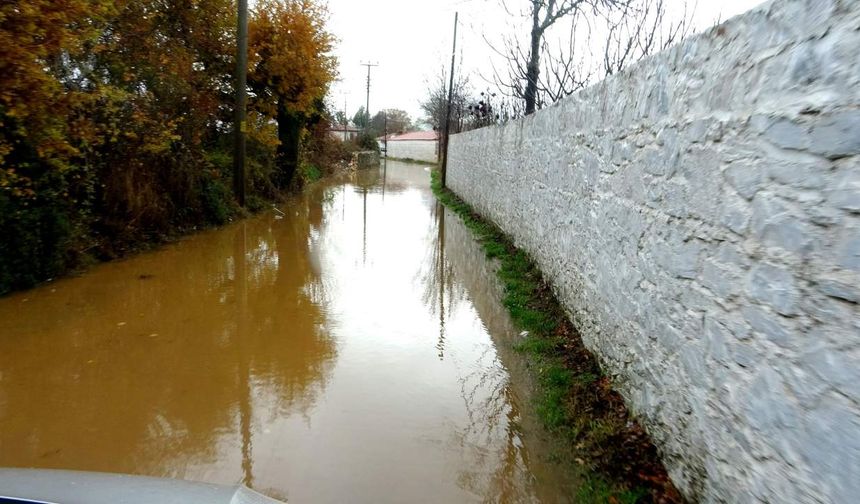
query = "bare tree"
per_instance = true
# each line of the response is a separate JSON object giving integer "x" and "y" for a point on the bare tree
{"x": 638, "y": 29}
{"x": 565, "y": 72}
{"x": 436, "y": 99}
{"x": 560, "y": 69}
{"x": 545, "y": 71}
{"x": 544, "y": 14}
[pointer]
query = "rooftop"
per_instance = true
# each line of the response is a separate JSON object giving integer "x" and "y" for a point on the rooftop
{"x": 341, "y": 127}
{"x": 414, "y": 135}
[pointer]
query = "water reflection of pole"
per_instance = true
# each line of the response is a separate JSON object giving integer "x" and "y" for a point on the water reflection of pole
{"x": 384, "y": 173}
{"x": 441, "y": 345}
{"x": 514, "y": 450}
{"x": 364, "y": 229}
{"x": 245, "y": 411}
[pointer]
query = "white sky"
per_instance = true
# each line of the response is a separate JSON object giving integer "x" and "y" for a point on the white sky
{"x": 411, "y": 41}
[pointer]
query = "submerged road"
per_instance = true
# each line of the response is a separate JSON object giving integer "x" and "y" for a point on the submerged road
{"x": 354, "y": 349}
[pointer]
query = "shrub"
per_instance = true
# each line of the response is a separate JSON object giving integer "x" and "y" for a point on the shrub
{"x": 366, "y": 142}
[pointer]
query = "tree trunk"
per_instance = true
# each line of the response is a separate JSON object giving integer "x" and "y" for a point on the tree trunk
{"x": 287, "y": 159}
{"x": 533, "y": 68}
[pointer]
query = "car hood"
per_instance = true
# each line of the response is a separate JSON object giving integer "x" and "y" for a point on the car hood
{"x": 76, "y": 487}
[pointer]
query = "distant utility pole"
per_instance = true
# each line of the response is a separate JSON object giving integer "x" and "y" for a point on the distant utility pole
{"x": 367, "y": 100}
{"x": 345, "y": 120}
{"x": 447, "y": 131}
{"x": 239, "y": 126}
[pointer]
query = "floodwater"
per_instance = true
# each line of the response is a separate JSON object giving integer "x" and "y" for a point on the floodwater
{"x": 352, "y": 348}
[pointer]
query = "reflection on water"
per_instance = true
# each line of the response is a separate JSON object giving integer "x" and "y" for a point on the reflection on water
{"x": 353, "y": 350}
{"x": 503, "y": 410}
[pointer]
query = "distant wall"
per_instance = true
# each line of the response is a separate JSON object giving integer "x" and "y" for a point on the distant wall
{"x": 422, "y": 150}
{"x": 699, "y": 217}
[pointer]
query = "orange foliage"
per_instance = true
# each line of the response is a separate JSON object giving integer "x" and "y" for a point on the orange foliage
{"x": 290, "y": 54}
{"x": 34, "y": 37}
{"x": 116, "y": 118}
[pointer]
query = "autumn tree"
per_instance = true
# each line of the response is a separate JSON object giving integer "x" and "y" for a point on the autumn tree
{"x": 35, "y": 38}
{"x": 41, "y": 132}
{"x": 115, "y": 119}
{"x": 109, "y": 112}
{"x": 162, "y": 71}
{"x": 291, "y": 69}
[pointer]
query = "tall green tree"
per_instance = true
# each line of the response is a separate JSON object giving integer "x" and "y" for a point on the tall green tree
{"x": 392, "y": 120}
{"x": 360, "y": 118}
{"x": 340, "y": 117}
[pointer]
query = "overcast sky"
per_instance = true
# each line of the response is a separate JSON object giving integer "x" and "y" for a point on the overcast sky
{"x": 410, "y": 40}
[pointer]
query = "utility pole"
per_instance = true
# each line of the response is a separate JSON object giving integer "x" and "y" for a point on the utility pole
{"x": 345, "y": 120}
{"x": 367, "y": 100}
{"x": 447, "y": 131}
{"x": 385, "y": 132}
{"x": 239, "y": 126}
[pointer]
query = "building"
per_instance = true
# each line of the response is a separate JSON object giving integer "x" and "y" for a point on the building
{"x": 418, "y": 145}
{"x": 344, "y": 132}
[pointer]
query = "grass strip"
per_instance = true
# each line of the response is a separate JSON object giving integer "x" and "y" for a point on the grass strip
{"x": 410, "y": 160}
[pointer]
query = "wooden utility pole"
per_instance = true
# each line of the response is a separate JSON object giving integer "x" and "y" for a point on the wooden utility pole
{"x": 239, "y": 126}
{"x": 367, "y": 100}
{"x": 446, "y": 131}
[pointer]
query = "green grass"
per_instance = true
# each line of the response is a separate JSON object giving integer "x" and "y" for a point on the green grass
{"x": 522, "y": 281}
{"x": 410, "y": 160}
{"x": 310, "y": 172}
{"x": 595, "y": 489}
{"x": 572, "y": 399}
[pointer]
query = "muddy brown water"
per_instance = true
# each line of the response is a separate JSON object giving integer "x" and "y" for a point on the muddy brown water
{"x": 353, "y": 349}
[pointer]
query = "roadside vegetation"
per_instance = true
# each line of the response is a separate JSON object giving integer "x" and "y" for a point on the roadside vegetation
{"x": 116, "y": 122}
{"x": 574, "y": 399}
{"x": 411, "y": 161}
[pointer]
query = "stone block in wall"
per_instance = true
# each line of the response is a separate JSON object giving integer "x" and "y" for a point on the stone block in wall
{"x": 777, "y": 225}
{"x": 774, "y": 286}
{"x": 847, "y": 247}
{"x": 744, "y": 178}
{"x": 845, "y": 192}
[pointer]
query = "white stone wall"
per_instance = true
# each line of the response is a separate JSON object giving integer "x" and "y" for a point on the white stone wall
{"x": 421, "y": 150}
{"x": 699, "y": 218}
